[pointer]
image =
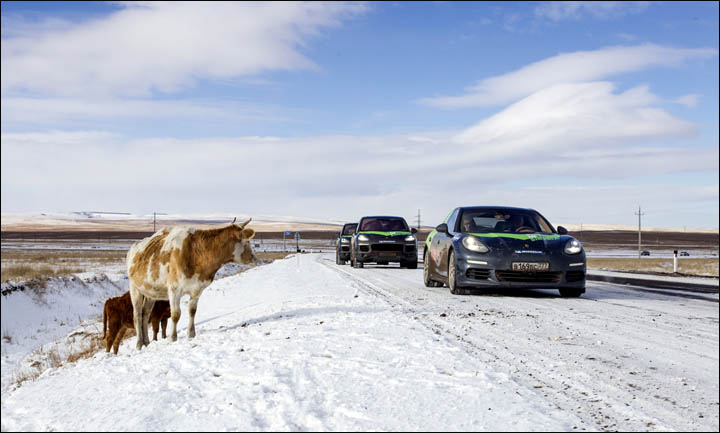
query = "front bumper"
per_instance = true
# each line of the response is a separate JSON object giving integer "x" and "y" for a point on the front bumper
{"x": 564, "y": 272}
{"x": 344, "y": 252}
{"x": 397, "y": 252}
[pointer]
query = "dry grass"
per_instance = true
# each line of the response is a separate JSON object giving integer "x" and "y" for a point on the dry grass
{"x": 52, "y": 358}
{"x": 701, "y": 267}
{"x": 28, "y": 272}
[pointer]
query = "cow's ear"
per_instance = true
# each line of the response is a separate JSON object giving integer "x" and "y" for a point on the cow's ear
{"x": 248, "y": 233}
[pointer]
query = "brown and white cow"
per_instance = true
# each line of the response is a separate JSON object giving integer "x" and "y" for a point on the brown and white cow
{"x": 181, "y": 261}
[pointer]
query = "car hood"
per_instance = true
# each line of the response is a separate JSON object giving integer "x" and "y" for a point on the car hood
{"x": 523, "y": 243}
{"x": 397, "y": 236}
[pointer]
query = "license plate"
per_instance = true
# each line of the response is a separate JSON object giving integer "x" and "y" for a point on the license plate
{"x": 530, "y": 266}
{"x": 386, "y": 253}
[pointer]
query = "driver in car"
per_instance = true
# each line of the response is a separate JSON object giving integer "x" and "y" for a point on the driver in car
{"x": 518, "y": 222}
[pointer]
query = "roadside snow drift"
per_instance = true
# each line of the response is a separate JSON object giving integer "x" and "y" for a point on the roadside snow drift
{"x": 288, "y": 346}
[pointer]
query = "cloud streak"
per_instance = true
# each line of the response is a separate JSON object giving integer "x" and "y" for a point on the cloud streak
{"x": 150, "y": 47}
{"x": 574, "y": 67}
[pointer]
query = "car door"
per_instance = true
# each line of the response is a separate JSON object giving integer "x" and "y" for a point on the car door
{"x": 442, "y": 243}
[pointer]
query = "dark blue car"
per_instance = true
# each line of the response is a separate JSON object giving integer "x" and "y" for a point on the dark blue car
{"x": 503, "y": 247}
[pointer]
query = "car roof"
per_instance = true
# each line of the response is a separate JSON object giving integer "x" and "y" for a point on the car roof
{"x": 382, "y": 216}
{"x": 496, "y": 208}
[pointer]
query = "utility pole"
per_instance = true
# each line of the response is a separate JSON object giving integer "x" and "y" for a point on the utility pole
{"x": 418, "y": 220}
{"x": 153, "y": 222}
{"x": 639, "y": 213}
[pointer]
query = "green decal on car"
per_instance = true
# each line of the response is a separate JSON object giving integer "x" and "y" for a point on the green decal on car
{"x": 384, "y": 233}
{"x": 523, "y": 237}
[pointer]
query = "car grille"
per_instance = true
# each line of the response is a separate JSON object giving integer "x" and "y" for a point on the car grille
{"x": 478, "y": 274}
{"x": 529, "y": 277}
{"x": 572, "y": 276}
{"x": 387, "y": 247}
{"x": 345, "y": 249}
{"x": 364, "y": 248}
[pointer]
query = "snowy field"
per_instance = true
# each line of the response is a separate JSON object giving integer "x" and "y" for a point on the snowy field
{"x": 304, "y": 344}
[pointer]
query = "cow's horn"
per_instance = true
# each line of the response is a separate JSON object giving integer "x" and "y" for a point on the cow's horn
{"x": 242, "y": 226}
{"x": 233, "y": 220}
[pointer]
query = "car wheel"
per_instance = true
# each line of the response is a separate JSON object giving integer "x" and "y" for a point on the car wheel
{"x": 337, "y": 258}
{"x": 355, "y": 263}
{"x": 452, "y": 276}
{"x": 426, "y": 274}
{"x": 411, "y": 265}
{"x": 571, "y": 293}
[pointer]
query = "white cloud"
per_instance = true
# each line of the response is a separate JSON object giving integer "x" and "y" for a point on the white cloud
{"x": 690, "y": 100}
{"x": 570, "y": 133}
{"x": 564, "y": 10}
{"x": 167, "y": 46}
{"x": 564, "y": 116}
{"x": 567, "y": 68}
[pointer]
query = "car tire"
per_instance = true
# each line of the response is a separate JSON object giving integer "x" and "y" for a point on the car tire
{"x": 411, "y": 265}
{"x": 426, "y": 274}
{"x": 452, "y": 277}
{"x": 571, "y": 293}
{"x": 337, "y": 258}
{"x": 355, "y": 263}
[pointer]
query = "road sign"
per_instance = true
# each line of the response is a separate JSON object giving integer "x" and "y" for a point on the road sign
{"x": 297, "y": 236}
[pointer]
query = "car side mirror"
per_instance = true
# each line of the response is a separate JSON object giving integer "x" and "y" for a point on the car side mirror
{"x": 562, "y": 230}
{"x": 442, "y": 228}
{"x": 413, "y": 230}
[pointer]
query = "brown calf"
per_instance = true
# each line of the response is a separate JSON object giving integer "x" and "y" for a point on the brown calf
{"x": 118, "y": 317}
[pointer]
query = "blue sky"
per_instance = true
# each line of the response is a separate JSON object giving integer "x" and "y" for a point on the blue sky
{"x": 581, "y": 110}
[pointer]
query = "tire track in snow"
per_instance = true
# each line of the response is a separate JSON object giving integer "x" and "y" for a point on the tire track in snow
{"x": 610, "y": 398}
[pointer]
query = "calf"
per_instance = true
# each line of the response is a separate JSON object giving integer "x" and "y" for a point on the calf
{"x": 181, "y": 261}
{"x": 118, "y": 317}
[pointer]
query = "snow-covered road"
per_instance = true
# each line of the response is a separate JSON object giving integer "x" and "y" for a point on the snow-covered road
{"x": 304, "y": 344}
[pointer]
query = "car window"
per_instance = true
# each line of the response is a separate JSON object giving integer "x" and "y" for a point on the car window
{"x": 452, "y": 221}
{"x": 503, "y": 221}
{"x": 383, "y": 225}
{"x": 349, "y": 229}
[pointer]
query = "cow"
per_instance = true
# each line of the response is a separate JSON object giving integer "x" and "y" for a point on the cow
{"x": 118, "y": 317}
{"x": 181, "y": 261}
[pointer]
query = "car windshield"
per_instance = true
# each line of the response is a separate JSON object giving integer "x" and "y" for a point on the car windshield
{"x": 503, "y": 221}
{"x": 383, "y": 225}
{"x": 349, "y": 229}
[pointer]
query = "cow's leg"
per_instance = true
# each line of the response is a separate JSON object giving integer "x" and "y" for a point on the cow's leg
{"x": 137, "y": 302}
{"x": 147, "y": 309}
{"x": 193, "y": 309}
{"x": 156, "y": 327}
{"x": 174, "y": 299}
{"x": 118, "y": 339}
{"x": 112, "y": 331}
{"x": 164, "y": 326}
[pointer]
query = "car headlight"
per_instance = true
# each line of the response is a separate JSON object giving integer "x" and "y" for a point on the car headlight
{"x": 474, "y": 244}
{"x": 573, "y": 246}
{"x": 363, "y": 238}
{"x": 410, "y": 238}
{"x": 345, "y": 240}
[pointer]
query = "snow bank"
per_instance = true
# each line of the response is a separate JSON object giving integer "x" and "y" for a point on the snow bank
{"x": 34, "y": 315}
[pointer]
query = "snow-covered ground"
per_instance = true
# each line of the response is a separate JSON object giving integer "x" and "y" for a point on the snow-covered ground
{"x": 304, "y": 344}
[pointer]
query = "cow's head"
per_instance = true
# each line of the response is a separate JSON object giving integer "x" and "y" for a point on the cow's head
{"x": 243, "y": 253}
